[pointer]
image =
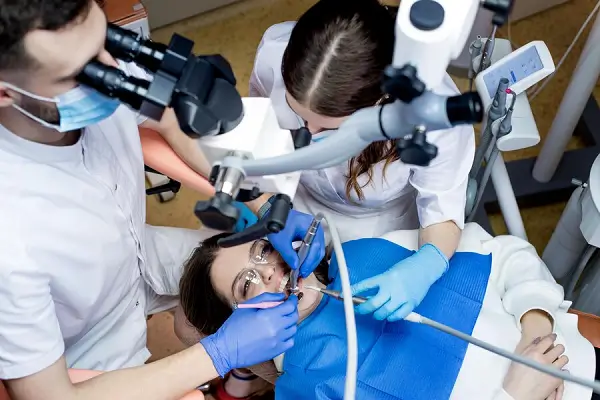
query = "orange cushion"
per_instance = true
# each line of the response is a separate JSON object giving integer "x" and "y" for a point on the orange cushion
{"x": 162, "y": 158}
{"x": 3, "y": 393}
{"x": 589, "y": 326}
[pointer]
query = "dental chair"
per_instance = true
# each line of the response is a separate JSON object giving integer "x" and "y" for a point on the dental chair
{"x": 79, "y": 375}
{"x": 160, "y": 158}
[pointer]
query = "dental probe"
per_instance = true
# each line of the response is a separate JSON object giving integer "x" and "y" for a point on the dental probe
{"x": 311, "y": 233}
{"x": 413, "y": 317}
{"x": 337, "y": 295}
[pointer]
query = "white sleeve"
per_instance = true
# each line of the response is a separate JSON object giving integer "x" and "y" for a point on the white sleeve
{"x": 522, "y": 279}
{"x": 133, "y": 70}
{"x": 167, "y": 249}
{"x": 267, "y": 63}
{"x": 502, "y": 395}
{"x": 442, "y": 186}
{"x": 30, "y": 335}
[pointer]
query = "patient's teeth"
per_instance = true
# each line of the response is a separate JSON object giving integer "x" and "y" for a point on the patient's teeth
{"x": 284, "y": 282}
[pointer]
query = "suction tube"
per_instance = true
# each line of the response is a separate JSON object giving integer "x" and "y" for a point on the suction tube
{"x": 352, "y": 360}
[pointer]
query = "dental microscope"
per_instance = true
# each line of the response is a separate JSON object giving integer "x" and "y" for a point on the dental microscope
{"x": 240, "y": 137}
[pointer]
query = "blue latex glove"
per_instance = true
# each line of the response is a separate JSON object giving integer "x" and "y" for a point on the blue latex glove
{"x": 251, "y": 336}
{"x": 295, "y": 229}
{"x": 247, "y": 217}
{"x": 402, "y": 288}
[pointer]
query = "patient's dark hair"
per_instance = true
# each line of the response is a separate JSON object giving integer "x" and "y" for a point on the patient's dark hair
{"x": 203, "y": 307}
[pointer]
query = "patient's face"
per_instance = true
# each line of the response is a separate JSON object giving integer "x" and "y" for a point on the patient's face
{"x": 242, "y": 272}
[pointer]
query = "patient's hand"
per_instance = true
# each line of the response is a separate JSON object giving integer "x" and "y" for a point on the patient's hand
{"x": 534, "y": 324}
{"x": 524, "y": 383}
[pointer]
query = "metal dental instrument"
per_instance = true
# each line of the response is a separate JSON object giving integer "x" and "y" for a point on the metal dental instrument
{"x": 337, "y": 295}
{"x": 303, "y": 251}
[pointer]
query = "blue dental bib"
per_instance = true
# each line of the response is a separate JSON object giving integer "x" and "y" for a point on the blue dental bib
{"x": 399, "y": 360}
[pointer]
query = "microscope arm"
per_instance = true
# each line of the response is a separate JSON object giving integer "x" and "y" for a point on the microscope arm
{"x": 201, "y": 90}
{"x": 364, "y": 127}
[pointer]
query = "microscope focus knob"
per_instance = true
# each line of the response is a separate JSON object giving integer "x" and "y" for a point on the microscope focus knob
{"x": 500, "y": 8}
{"x": 217, "y": 212}
{"x": 415, "y": 150}
{"x": 403, "y": 83}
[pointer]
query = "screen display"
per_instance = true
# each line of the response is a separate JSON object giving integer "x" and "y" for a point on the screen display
{"x": 518, "y": 68}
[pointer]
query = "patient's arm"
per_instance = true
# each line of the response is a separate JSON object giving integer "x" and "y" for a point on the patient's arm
{"x": 523, "y": 282}
{"x": 534, "y": 324}
{"x": 531, "y": 295}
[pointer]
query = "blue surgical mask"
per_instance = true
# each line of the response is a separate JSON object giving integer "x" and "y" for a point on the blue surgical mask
{"x": 78, "y": 108}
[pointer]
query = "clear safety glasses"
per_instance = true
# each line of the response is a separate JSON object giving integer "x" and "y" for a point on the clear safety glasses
{"x": 249, "y": 282}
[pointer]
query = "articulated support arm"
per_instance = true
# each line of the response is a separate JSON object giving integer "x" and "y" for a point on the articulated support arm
{"x": 201, "y": 90}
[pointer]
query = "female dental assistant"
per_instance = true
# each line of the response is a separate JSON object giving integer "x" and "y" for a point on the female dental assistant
{"x": 317, "y": 72}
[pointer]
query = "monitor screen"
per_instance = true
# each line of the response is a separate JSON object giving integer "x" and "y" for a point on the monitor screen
{"x": 516, "y": 69}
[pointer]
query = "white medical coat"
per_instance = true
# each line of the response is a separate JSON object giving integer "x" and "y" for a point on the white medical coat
{"x": 406, "y": 198}
{"x": 519, "y": 282}
{"x": 80, "y": 269}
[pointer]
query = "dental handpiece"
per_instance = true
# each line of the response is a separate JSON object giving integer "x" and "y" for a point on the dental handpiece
{"x": 311, "y": 233}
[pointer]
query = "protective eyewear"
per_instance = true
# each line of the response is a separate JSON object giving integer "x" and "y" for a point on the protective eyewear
{"x": 249, "y": 282}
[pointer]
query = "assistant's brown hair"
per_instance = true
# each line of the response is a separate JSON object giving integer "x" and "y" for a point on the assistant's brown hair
{"x": 333, "y": 65}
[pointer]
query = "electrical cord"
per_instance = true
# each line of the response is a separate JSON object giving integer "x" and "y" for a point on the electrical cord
{"x": 352, "y": 361}
{"x": 537, "y": 91}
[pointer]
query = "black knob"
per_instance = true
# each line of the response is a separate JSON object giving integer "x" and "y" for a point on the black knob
{"x": 500, "y": 8}
{"x": 245, "y": 195}
{"x": 427, "y": 15}
{"x": 217, "y": 212}
{"x": 273, "y": 222}
{"x": 465, "y": 108}
{"x": 301, "y": 137}
{"x": 403, "y": 83}
{"x": 415, "y": 150}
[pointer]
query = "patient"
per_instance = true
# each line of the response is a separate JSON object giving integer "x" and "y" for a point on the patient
{"x": 496, "y": 289}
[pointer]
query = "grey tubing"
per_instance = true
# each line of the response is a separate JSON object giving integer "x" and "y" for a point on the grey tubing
{"x": 484, "y": 180}
{"x": 482, "y": 150}
{"x": 581, "y": 264}
{"x": 565, "y": 376}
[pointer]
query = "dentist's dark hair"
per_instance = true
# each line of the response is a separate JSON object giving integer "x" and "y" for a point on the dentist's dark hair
{"x": 333, "y": 65}
{"x": 20, "y": 17}
{"x": 205, "y": 309}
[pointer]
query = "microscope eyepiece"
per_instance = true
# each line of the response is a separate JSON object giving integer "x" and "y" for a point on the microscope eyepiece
{"x": 114, "y": 83}
{"x": 128, "y": 46}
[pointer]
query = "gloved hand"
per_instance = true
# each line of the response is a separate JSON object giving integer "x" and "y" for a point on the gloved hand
{"x": 402, "y": 287}
{"x": 247, "y": 217}
{"x": 295, "y": 229}
{"x": 251, "y": 336}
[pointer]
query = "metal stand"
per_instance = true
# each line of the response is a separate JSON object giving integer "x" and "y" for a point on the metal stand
{"x": 574, "y": 164}
{"x": 483, "y": 220}
{"x": 547, "y": 178}
{"x": 165, "y": 191}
